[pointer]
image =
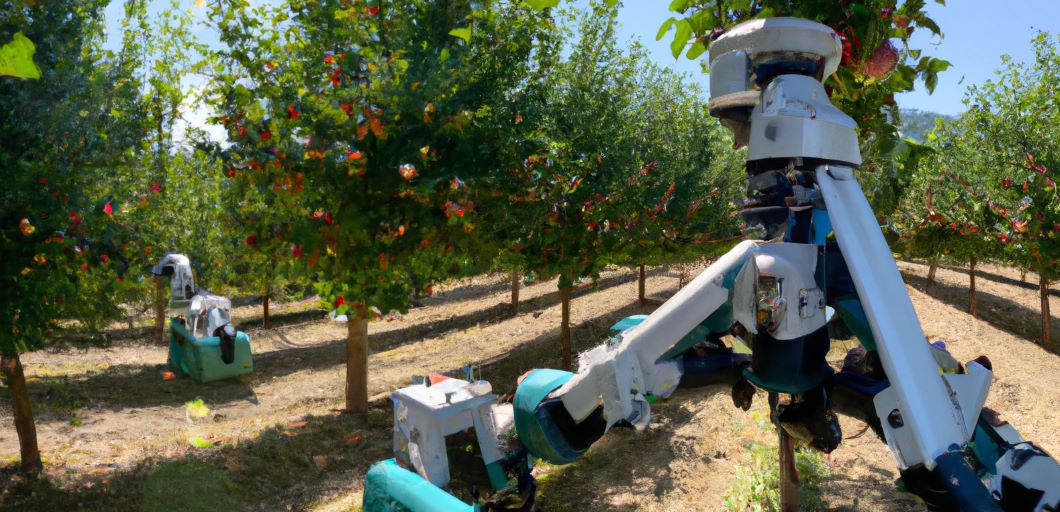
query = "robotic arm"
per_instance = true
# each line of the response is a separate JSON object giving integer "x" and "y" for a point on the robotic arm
{"x": 766, "y": 86}
{"x": 821, "y": 246}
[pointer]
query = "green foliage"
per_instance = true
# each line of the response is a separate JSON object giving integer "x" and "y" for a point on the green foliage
{"x": 757, "y": 484}
{"x": 360, "y": 127}
{"x": 614, "y": 161}
{"x": 945, "y": 209}
{"x": 57, "y": 141}
{"x": 190, "y": 485}
{"x": 16, "y": 58}
{"x": 986, "y": 188}
{"x": 1011, "y": 138}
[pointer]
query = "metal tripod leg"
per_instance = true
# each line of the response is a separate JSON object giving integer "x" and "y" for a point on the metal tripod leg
{"x": 924, "y": 402}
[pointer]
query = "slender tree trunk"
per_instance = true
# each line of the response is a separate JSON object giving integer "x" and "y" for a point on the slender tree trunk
{"x": 1046, "y": 315}
{"x": 564, "y": 329}
{"x": 265, "y": 307}
{"x": 640, "y": 286}
{"x": 24, "y": 424}
{"x": 931, "y": 271}
{"x": 971, "y": 286}
{"x": 1023, "y": 275}
{"x": 515, "y": 291}
{"x": 357, "y": 361}
{"x": 160, "y": 310}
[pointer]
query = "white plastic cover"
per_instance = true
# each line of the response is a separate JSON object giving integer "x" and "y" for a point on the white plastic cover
{"x": 182, "y": 281}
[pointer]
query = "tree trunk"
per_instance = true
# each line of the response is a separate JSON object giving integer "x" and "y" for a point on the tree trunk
{"x": 640, "y": 286}
{"x": 931, "y": 272}
{"x": 20, "y": 406}
{"x": 515, "y": 291}
{"x": 357, "y": 361}
{"x": 971, "y": 286}
{"x": 1046, "y": 315}
{"x": 1023, "y": 275}
{"x": 265, "y": 307}
{"x": 564, "y": 329}
{"x": 160, "y": 310}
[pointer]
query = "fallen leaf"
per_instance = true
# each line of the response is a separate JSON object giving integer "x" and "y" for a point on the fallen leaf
{"x": 321, "y": 461}
{"x": 196, "y": 409}
{"x": 200, "y": 442}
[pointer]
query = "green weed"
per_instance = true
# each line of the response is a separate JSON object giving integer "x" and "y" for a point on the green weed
{"x": 757, "y": 484}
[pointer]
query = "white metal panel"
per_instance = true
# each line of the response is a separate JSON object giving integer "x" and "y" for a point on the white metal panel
{"x": 608, "y": 373}
{"x": 794, "y": 265}
{"x": 923, "y": 399}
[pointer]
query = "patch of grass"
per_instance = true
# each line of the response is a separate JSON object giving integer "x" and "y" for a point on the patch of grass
{"x": 60, "y": 400}
{"x": 190, "y": 485}
{"x": 757, "y": 485}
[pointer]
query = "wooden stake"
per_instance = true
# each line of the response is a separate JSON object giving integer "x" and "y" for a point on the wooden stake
{"x": 515, "y": 291}
{"x": 357, "y": 361}
{"x": 160, "y": 310}
{"x": 265, "y": 307}
{"x": 971, "y": 286}
{"x": 23, "y": 413}
{"x": 1043, "y": 288}
{"x": 789, "y": 473}
{"x": 564, "y": 329}
{"x": 640, "y": 286}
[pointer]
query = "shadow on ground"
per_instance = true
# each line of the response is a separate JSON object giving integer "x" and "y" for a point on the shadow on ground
{"x": 1029, "y": 284}
{"x": 1002, "y": 313}
{"x": 128, "y": 386}
{"x": 288, "y": 466}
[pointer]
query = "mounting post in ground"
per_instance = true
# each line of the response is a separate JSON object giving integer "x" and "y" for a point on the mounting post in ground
{"x": 790, "y": 486}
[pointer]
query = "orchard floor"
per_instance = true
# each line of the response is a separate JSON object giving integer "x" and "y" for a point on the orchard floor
{"x": 115, "y": 434}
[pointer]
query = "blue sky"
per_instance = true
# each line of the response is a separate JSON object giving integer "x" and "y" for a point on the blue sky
{"x": 977, "y": 33}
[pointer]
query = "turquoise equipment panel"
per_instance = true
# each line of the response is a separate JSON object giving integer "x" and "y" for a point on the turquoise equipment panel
{"x": 200, "y": 358}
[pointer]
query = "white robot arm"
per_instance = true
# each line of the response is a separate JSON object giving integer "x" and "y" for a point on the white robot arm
{"x": 766, "y": 85}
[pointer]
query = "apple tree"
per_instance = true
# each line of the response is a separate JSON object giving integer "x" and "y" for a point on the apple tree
{"x": 57, "y": 138}
{"x": 361, "y": 125}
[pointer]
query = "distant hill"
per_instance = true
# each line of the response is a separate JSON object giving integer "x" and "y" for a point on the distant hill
{"x": 917, "y": 123}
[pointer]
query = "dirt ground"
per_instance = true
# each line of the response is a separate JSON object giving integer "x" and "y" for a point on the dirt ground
{"x": 111, "y": 428}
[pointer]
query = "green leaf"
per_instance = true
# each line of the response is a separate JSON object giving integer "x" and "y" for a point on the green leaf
{"x": 462, "y": 33}
{"x": 696, "y": 50}
{"x": 16, "y": 58}
{"x": 665, "y": 28}
{"x": 938, "y": 65}
{"x": 542, "y": 4}
{"x": 929, "y": 24}
{"x": 199, "y": 442}
{"x": 611, "y": 3}
{"x": 196, "y": 409}
{"x": 683, "y": 34}
{"x": 930, "y": 81}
